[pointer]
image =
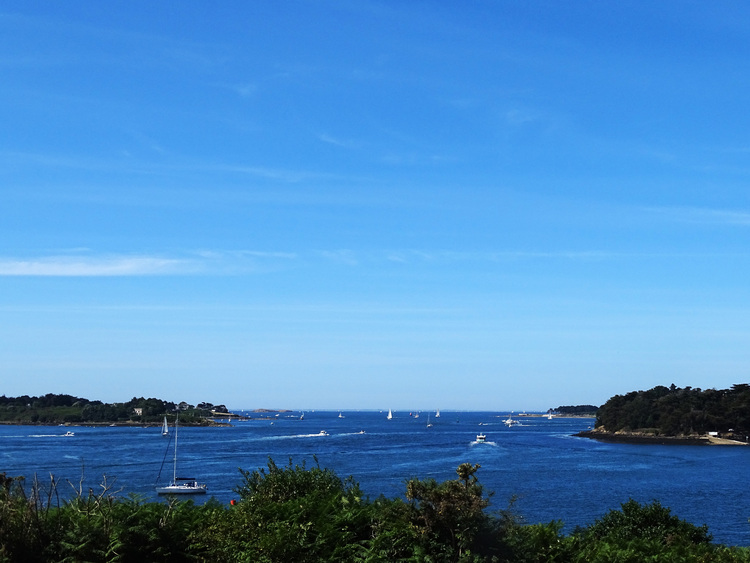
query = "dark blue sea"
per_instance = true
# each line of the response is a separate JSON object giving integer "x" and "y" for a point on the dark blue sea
{"x": 553, "y": 475}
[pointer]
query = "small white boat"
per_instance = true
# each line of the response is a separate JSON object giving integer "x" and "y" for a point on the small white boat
{"x": 437, "y": 414}
{"x": 165, "y": 428}
{"x": 390, "y": 414}
{"x": 481, "y": 438}
{"x": 181, "y": 485}
{"x": 69, "y": 433}
{"x": 322, "y": 433}
{"x": 341, "y": 415}
{"x": 510, "y": 421}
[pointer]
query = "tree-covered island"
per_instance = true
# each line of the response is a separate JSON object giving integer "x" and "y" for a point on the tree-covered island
{"x": 67, "y": 409}
{"x": 676, "y": 415}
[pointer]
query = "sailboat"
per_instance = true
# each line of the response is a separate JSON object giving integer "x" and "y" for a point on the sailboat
{"x": 181, "y": 485}
{"x": 165, "y": 428}
{"x": 437, "y": 414}
{"x": 390, "y": 414}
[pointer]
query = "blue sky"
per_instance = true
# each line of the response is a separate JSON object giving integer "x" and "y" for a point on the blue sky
{"x": 412, "y": 205}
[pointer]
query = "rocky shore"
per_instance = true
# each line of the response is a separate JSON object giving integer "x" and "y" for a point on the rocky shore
{"x": 643, "y": 438}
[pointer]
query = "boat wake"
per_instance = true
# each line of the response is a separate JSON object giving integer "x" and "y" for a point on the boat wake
{"x": 316, "y": 435}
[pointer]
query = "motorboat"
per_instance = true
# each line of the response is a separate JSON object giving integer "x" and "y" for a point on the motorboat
{"x": 481, "y": 438}
{"x": 510, "y": 421}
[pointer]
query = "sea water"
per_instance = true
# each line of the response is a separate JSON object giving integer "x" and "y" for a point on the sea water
{"x": 551, "y": 474}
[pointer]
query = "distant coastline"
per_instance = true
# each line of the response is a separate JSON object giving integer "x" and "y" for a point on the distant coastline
{"x": 123, "y": 423}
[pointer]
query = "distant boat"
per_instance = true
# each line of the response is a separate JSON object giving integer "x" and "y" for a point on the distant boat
{"x": 481, "y": 438}
{"x": 437, "y": 414}
{"x": 322, "y": 433}
{"x": 181, "y": 485}
{"x": 165, "y": 428}
{"x": 302, "y": 416}
{"x": 429, "y": 424}
{"x": 510, "y": 421}
{"x": 69, "y": 433}
{"x": 341, "y": 415}
{"x": 390, "y": 414}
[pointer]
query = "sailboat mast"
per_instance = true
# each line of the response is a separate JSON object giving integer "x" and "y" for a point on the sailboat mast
{"x": 174, "y": 477}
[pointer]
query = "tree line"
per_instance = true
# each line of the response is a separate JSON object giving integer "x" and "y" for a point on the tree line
{"x": 61, "y": 408}
{"x": 298, "y": 514}
{"x": 674, "y": 411}
{"x": 579, "y": 410}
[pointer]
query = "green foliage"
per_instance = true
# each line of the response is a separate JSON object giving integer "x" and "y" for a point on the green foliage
{"x": 293, "y": 513}
{"x": 673, "y": 411}
{"x": 299, "y": 514}
{"x": 651, "y": 521}
{"x": 577, "y": 409}
{"x": 449, "y": 516}
{"x": 57, "y": 409}
{"x": 646, "y": 532}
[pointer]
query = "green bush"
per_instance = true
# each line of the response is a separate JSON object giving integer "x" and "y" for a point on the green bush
{"x": 295, "y": 514}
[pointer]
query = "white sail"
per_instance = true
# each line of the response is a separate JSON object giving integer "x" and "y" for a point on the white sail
{"x": 181, "y": 485}
{"x": 165, "y": 428}
{"x": 390, "y": 414}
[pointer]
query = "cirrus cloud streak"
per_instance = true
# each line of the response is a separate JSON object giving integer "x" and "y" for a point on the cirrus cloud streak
{"x": 94, "y": 266}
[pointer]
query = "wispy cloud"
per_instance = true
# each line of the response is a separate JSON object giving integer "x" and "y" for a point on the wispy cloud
{"x": 94, "y": 266}
{"x": 257, "y": 262}
{"x": 84, "y": 263}
{"x": 343, "y": 143}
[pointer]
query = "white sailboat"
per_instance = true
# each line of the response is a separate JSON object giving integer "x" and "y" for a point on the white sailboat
{"x": 181, "y": 485}
{"x": 437, "y": 414}
{"x": 390, "y": 414}
{"x": 165, "y": 428}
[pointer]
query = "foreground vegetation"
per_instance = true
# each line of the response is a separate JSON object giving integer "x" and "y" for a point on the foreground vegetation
{"x": 299, "y": 514}
{"x": 672, "y": 411}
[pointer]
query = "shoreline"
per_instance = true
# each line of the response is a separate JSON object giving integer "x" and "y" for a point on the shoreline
{"x": 636, "y": 438}
{"x": 129, "y": 424}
